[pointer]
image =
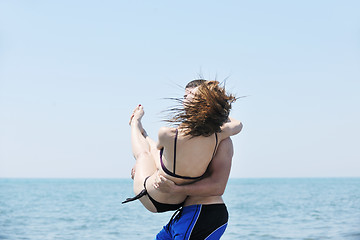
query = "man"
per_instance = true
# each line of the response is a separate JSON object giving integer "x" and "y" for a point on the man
{"x": 210, "y": 218}
{"x": 204, "y": 214}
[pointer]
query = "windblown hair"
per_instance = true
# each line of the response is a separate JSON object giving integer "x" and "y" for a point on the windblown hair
{"x": 206, "y": 112}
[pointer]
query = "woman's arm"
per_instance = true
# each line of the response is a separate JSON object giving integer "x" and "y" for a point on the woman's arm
{"x": 213, "y": 184}
{"x": 230, "y": 128}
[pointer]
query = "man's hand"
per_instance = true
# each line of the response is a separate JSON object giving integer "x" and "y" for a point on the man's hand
{"x": 164, "y": 185}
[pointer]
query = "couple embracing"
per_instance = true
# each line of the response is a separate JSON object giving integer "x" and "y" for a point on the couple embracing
{"x": 187, "y": 169}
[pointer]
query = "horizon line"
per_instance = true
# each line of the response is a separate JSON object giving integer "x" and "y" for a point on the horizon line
{"x": 122, "y": 178}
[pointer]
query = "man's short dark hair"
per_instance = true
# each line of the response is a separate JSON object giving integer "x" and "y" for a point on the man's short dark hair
{"x": 195, "y": 83}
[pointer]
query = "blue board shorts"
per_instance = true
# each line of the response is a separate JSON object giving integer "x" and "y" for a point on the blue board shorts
{"x": 196, "y": 222}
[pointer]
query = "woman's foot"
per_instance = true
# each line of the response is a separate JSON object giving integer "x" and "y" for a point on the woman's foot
{"x": 138, "y": 113}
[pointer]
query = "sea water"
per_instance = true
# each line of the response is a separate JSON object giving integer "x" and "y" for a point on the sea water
{"x": 258, "y": 209}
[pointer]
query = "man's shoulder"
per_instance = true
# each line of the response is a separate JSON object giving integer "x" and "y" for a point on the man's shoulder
{"x": 227, "y": 142}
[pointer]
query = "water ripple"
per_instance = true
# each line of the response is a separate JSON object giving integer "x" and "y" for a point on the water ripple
{"x": 286, "y": 209}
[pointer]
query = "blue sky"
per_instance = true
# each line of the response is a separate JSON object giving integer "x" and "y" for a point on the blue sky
{"x": 72, "y": 71}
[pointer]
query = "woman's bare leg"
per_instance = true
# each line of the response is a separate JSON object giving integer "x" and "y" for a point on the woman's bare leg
{"x": 151, "y": 142}
{"x": 145, "y": 164}
{"x": 138, "y": 143}
{"x": 153, "y": 149}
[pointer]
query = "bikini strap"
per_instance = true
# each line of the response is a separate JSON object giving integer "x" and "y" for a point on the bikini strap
{"x": 216, "y": 137}
{"x": 176, "y": 136}
{"x": 173, "y": 173}
{"x": 141, "y": 194}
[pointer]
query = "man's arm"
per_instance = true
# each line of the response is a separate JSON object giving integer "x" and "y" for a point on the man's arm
{"x": 213, "y": 184}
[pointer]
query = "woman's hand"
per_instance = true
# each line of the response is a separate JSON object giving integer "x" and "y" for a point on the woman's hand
{"x": 163, "y": 184}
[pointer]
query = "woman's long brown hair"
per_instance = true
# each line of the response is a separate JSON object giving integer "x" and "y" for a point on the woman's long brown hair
{"x": 206, "y": 112}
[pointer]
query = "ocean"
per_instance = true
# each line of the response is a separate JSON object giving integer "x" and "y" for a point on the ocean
{"x": 298, "y": 208}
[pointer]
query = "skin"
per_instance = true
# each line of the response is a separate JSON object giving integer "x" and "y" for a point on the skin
{"x": 209, "y": 189}
{"x": 146, "y": 153}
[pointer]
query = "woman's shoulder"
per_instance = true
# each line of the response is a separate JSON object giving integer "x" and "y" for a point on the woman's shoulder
{"x": 166, "y": 132}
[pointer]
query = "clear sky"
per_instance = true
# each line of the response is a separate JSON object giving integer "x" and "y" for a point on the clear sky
{"x": 72, "y": 71}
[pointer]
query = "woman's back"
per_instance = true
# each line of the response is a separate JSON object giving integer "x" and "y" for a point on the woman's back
{"x": 185, "y": 158}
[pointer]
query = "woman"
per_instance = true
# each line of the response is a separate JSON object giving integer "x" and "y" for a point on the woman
{"x": 182, "y": 154}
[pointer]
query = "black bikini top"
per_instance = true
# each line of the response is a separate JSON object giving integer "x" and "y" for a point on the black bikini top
{"x": 173, "y": 174}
